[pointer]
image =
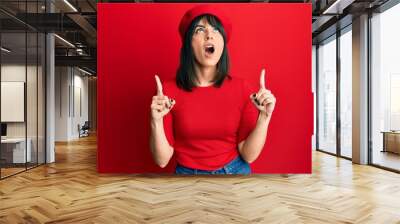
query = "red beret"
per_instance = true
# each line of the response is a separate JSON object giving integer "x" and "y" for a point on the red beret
{"x": 201, "y": 10}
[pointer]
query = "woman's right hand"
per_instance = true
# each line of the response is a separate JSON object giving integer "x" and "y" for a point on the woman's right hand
{"x": 160, "y": 105}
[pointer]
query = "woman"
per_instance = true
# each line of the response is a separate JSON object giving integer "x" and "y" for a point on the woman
{"x": 206, "y": 117}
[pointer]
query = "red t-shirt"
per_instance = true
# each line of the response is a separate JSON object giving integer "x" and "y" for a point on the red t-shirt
{"x": 206, "y": 125}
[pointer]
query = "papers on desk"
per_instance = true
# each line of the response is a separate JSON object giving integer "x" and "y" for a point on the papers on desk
{"x": 17, "y": 145}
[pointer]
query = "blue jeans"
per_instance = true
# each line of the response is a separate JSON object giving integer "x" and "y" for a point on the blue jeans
{"x": 236, "y": 166}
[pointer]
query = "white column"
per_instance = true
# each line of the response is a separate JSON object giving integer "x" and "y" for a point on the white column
{"x": 360, "y": 90}
{"x": 50, "y": 91}
{"x": 50, "y": 110}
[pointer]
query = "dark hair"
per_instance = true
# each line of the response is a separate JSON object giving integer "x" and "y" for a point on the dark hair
{"x": 185, "y": 76}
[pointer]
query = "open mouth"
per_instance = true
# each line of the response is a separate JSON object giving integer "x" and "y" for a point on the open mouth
{"x": 210, "y": 49}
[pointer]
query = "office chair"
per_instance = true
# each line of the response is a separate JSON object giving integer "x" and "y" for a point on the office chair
{"x": 84, "y": 130}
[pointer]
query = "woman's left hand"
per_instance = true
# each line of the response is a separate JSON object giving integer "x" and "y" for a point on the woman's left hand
{"x": 264, "y": 100}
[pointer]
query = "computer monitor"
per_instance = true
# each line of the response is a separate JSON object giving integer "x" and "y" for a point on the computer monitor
{"x": 3, "y": 129}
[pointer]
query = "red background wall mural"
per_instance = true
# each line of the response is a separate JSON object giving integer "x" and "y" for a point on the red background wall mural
{"x": 137, "y": 41}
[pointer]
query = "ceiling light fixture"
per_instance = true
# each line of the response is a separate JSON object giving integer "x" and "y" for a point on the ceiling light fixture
{"x": 84, "y": 71}
{"x": 5, "y": 50}
{"x": 70, "y": 5}
{"x": 337, "y": 7}
{"x": 64, "y": 40}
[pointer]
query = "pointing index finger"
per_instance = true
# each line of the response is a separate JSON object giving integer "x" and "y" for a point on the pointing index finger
{"x": 159, "y": 86}
{"x": 262, "y": 79}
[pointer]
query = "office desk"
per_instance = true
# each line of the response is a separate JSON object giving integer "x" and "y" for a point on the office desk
{"x": 391, "y": 141}
{"x": 13, "y": 150}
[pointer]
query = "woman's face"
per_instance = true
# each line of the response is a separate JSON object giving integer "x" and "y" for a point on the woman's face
{"x": 207, "y": 44}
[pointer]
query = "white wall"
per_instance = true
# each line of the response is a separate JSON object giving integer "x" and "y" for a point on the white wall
{"x": 34, "y": 125}
{"x": 71, "y": 87}
{"x": 17, "y": 73}
{"x": 61, "y": 103}
{"x": 81, "y": 84}
{"x": 12, "y": 73}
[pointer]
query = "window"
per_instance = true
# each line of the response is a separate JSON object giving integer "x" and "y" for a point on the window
{"x": 327, "y": 95}
{"x": 385, "y": 88}
{"x": 346, "y": 74}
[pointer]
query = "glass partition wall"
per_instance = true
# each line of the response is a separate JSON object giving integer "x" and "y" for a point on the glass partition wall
{"x": 22, "y": 88}
{"x": 334, "y": 90}
{"x": 346, "y": 74}
{"x": 334, "y": 94}
{"x": 385, "y": 89}
{"x": 327, "y": 95}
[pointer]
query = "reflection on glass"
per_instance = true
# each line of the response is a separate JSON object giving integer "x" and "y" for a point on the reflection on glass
{"x": 14, "y": 153}
{"x": 31, "y": 101}
{"x": 22, "y": 90}
{"x": 346, "y": 93}
{"x": 386, "y": 88}
{"x": 327, "y": 96}
{"x": 41, "y": 98}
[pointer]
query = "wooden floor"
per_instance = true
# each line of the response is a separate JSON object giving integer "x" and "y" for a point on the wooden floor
{"x": 387, "y": 159}
{"x": 5, "y": 172}
{"x": 71, "y": 191}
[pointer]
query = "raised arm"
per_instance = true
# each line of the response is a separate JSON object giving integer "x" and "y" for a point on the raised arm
{"x": 264, "y": 101}
{"x": 161, "y": 105}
